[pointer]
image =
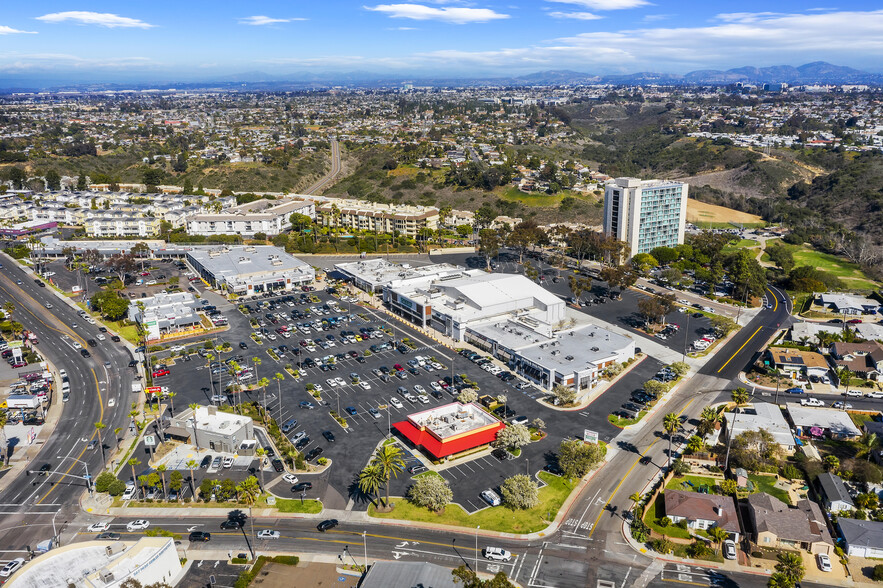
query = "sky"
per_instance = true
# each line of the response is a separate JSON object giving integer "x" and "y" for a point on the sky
{"x": 196, "y": 40}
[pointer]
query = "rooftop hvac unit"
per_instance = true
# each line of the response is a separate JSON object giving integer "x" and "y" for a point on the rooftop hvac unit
{"x": 595, "y": 349}
{"x": 569, "y": 358}
{"x": 556, "y": 352}
{"x": 105, "y": 575}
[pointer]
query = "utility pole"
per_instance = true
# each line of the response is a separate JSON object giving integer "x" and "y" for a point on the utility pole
{"x": 476, "y": 548}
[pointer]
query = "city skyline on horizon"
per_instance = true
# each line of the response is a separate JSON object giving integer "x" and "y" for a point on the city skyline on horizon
{"x": 105, "y": 42}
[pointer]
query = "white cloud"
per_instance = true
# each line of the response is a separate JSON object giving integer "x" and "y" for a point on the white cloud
{"x": 575, "y": 15}
{"x": 265, "y": 20}
{"x": 655, "y": 17}
{"x": 4, "y": 30}
{"x": 402, "y": 29}
{"x": 95, "y": 18}
{"x": 453, "y": 15}
{"x": 605, "y": 4}
{"x": 728, "y": 41}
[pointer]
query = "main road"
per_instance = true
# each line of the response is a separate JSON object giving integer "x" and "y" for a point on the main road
{"x": 588, "y": 548}
{"x": 30, "y": 504}
{"x": 335, "y": 169}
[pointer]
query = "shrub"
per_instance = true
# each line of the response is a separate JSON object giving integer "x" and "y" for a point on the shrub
{"x": 103, "y": 481}
{"x": 322, "y": 461}
{"x": 664, "y": 522}
{"x": 878, "y": 573}
{"x": 116, "y": 488}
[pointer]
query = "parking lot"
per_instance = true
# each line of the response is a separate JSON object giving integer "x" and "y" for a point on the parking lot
{"x": 352, "y": 446}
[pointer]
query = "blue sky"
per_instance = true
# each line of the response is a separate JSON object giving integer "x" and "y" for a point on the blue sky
{"x": 197, "y": 39}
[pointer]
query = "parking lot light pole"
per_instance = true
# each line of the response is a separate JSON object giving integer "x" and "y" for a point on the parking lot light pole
{"x": 476, "y": 547}
{"x": 365, "y": 546}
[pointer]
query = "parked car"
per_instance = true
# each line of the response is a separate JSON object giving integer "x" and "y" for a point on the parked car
{"x": 302, "y": 487}
{"x": 824, "y": 562}
{"x": 730, "y": 549}
{"x": 491, "y": 497}
{"x": 496, "y": 554}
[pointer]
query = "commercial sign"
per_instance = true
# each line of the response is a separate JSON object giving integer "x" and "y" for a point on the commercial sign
{"x": 590, "y": 436}
{"x": 149, "y": 441}
{"x": 154, "y": 390}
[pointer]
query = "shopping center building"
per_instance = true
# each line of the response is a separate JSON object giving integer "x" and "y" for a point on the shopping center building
{"x": 246, "y": 270}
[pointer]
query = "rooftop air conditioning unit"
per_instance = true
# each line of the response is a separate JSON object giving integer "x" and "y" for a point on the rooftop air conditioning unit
{"x": 595, "y": 349}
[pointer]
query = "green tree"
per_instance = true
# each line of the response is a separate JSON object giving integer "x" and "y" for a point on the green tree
{"x": 708, "y": 421}
{"x": 779, "y": 580}
{"x": 831, "y": 463}
{"x": 729, "y": 487}
{"x": 577, "y": 458}
{"x": 248, "y": 490}
{"x": 371, "y": 478}
{"x": 671, "y": 423}
{"x": 519, "y": 491}
{"x": 389, "y": 459}
{"x": 564, "y": 395}
{"x": 740, "y": 396}
{"x": 513, "y": 436}
{"x": 791, "y": 565}
{"x": 430, "y": 491}
{"x": 53, "y": 180}
{"x": 718, "y": 535}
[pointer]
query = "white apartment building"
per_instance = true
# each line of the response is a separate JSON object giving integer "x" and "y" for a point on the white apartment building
{"x": 645, "y": 213}
{"x": 122, "y": 226}
{"x": 261, "y": 216}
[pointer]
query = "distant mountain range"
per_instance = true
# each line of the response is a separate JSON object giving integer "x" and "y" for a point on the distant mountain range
{"x": 818, "y": 72}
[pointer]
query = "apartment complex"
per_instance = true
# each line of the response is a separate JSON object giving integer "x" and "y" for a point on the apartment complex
{"x": 645, "y": 213}
{"x": 261, "y": 216}
{"x": 379, "y": 218}
{"x": 122, "y": 225}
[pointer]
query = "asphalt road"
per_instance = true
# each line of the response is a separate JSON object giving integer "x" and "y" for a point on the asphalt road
{"x": 31, "y": 502}
{"x": 335, "y": 169}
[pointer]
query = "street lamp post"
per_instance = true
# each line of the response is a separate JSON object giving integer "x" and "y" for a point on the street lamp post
{"x": 365, "y": 547}
{"x": 476, "y": 547}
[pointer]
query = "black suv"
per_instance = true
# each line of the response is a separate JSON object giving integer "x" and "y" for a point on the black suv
{"x": 302, "y": 487}
{"x": 314, "y": 454}
{"x": 230, "y": 524}
{"x": 278, "y": 465}
{"x": 200, "y": 536}
{"x": 325, "y": 525}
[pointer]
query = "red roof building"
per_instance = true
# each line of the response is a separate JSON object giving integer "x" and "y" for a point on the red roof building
{"x": 450, "y": 429}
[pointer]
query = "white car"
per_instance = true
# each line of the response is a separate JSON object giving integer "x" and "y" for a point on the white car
{"x": 419, "y": 389}
{"x": 177, "y": 348}
{"x": 100, "y": 337}
{"x": 228, "y": 462}
{"x": 364, "y": 385}
{"x": 396, "y": 402}
{"x": 497, "y": 554}
{"x": 857, "y": 394}
{"x": 730, "y": 549}
{"x": 129, "y": 494}
{"x": 423, "y": 398}
{"x": 435, "y": 386}
{"x": 824, "y": 562}
{"x": 491, "y": 497}
{"x": 874, "y": 395}
{"x": 98, "y": 527}
{"x": 331, "y": 382}
{"x": 290, "y": 478}
{"x": 111, "y": 402}
{"x": 137, "y": 525}
{"x": 11, "y": 567}
{"x": 340, "y": 381}
{"x": 268, "y": 534}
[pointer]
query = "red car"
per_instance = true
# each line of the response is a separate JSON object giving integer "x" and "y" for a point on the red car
{"x": 398, "y": 368}
{"x": 162, "y": 372}
{"x": 145, "y": 273}
{"x": 854, "y": 321}
{"x": 194, "y": 279}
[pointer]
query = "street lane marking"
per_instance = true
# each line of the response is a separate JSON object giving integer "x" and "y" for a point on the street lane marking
{"x": 740, "y": 349}
{"x": 625, "y": 477}
{"x": 776, "y": 298}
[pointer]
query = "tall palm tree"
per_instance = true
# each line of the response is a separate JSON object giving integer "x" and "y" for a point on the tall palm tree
{"x": 98, "y": 426}
{"x": 371, "y": 479}
{"x": 192, "y": 464}
{"x": 171, "y": 397}
{"x": 389, "y": 459}
{"x": 134, "y": 462}
{"x": 116, "y": 434}
{"x": 740, "y": 396}
{"x": 670, "y": 424}
{"x": 9, "y": 307}
{"x": 193, "y": 407}
{"x": 845, "y": 375}
{"x": 709, "y": 418}
{"x": 249, "y": 490}
{"x": 161, "y": 470}
{"x": 261, "y": 453}
{"x": 263, "y": 384}
{"x": 779, "y": 580}
{"x": 279, "y": 377}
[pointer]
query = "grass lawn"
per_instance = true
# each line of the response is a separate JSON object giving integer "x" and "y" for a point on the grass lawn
{"x": 655, "y": 512}
{"x": 618, "y": 421}
{"x": 768, "y": 484}
{"x": 289, "y": 505}
{"x": 500, "y": 518}
{"x": 697, "y": 481}
{"x": 860, "y": 419}
{"x": 513, "y": 194}
{"x": 848, "y": 272}
{"x": 741, "y": 244}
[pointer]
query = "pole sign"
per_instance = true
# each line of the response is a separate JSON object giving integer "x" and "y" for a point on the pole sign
{"x": 149, "y": 441}
{"x": 154, "y": 390}
{"x": 590, "y": 436}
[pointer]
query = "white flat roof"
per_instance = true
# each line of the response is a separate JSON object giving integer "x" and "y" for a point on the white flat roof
{"x": 834, "y": 420}
{"x": 452, "y": 419}
{"x": 380, "y": 272}
{"x": 579, "y": 350}
{"x": 242, "y": 260}
{"x": 761, "y": 415}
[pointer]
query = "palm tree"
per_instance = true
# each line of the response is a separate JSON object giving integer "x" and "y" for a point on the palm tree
{"x": 671, "y": 423}
{"x": 192, "y": 464}
{"x": 709, "y": 418}
{"x": 845, "y": 376}
{"x": 249, "y": 490}
{"x": 389, "y": 459}
{"x": 263, "y": 384}
{"x": 779, "y": 580}
{"x": 371, "y": 479}
{"x": 193, "y": 407}
{"x": 98, "y": 426}
{"x": 868, "y": 443}
{"x": 171, "y": 397}
{"x": 718, "y": 535}
{"x": 116, "y": 434}
{"x": 777, "y": 373}
{"x": 261, "y": 453}
{"x": 791, "y": 565}
{"x": 740, "y": 396}
{"x": 134, "y": 462}
{"x": 279, "y": 377}
{"x": 161, "y": 470}
{"x": 695, "y": 444}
